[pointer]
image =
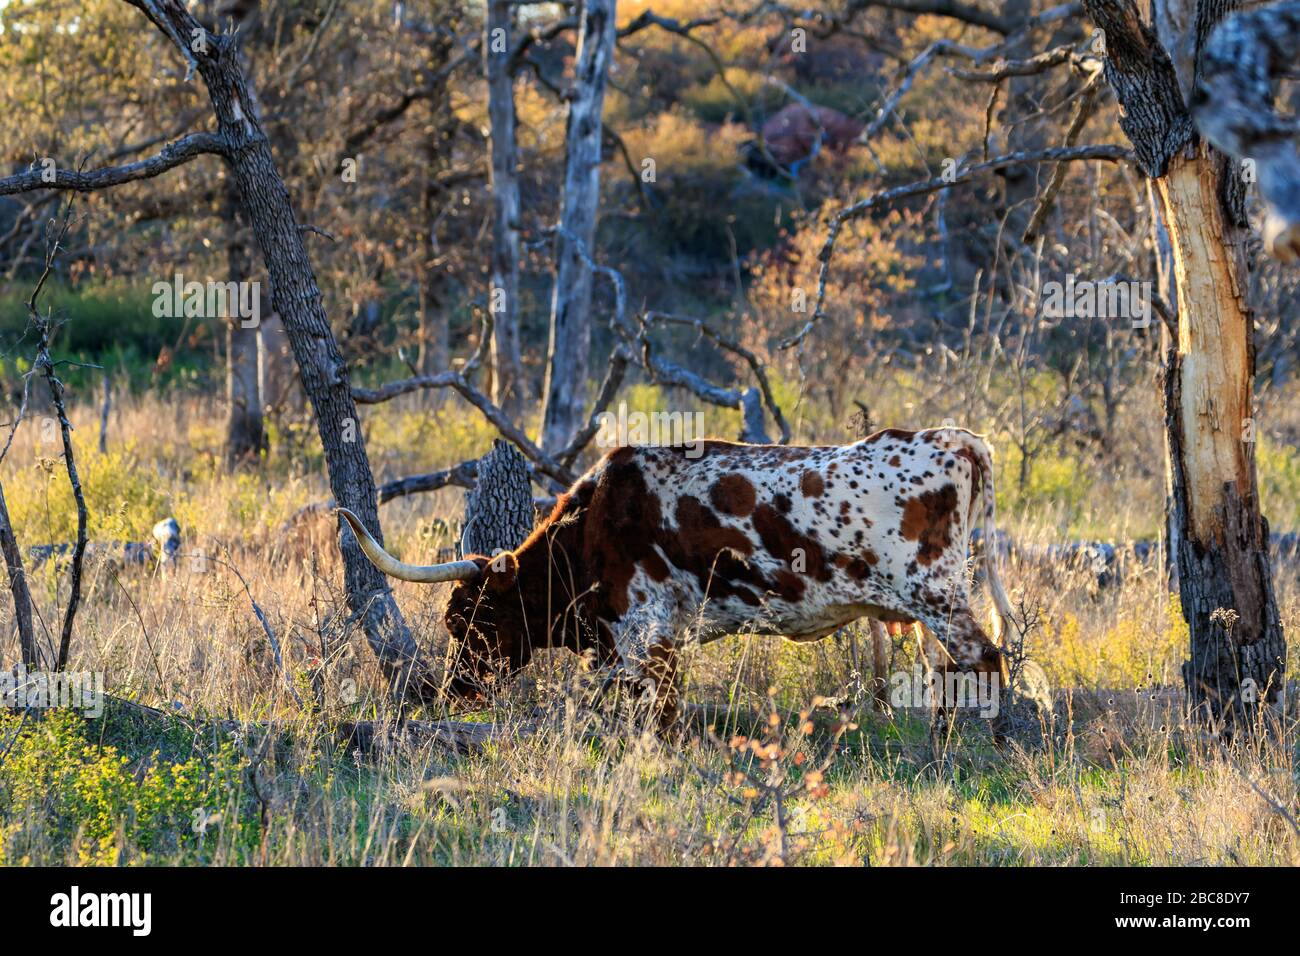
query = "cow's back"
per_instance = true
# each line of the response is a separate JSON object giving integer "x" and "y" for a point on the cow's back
{"x": 791, "y": 540}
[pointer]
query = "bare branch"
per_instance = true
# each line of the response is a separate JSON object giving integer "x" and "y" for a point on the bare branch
{"x": 455, "y": 380}
{"x": 728, "y": 343}
{"x": 1039, "y": 63}
{"x": 618, "y": 361}
{"x": 1087, "y": 104}
{"x": 954, "y": 9}
{"x": 44, "y": 365}
{"x": 172, "y": 155}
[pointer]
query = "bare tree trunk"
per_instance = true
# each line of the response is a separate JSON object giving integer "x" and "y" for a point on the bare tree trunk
{"x": 564, "y": 394}
{"x": 435, "y": 346}
{"x": 297, "y": 300}
{"x": 245, "y": 429}
{"x": 105, "y": 407}
{"x": 503, "y": 295}
{"x": 1237, "y": 649}
{"x": 18, "y": 587}
{"x": 435, "y": 338}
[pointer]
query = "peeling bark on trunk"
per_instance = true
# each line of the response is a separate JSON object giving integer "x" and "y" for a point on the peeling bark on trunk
{"x": 1225, "y": 579}
{"x": 503, "y": 294}
{"x": 1219, "y": 539}
{"x": 564, "y": 394}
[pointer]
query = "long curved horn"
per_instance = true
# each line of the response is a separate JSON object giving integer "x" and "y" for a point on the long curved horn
{"x": 420, "y": 573}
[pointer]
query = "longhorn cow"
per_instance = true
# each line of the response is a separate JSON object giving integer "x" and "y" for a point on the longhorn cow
{"x": 653, "y": 547}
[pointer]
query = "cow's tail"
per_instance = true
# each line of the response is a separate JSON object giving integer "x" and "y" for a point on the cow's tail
{"x": 1002, "y": 616}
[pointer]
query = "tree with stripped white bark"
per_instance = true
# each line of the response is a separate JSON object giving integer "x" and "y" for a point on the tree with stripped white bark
{"x": 564, "y": 392}
{"x": 503, "y": 293}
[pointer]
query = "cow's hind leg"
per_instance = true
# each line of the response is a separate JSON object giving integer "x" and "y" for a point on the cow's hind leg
{"x": 647, "y": 647}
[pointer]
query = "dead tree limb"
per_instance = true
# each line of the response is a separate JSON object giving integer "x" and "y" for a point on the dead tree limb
{"x": 660, "y": 370}
{"x": 173, "y": 155}
{"x": 45, "y": 366}
{"x": 1087, "y": 104}
{"x": 570, "y": 331}
{"x": 618, "y": 361}
{"x": 455, "y": 380}
{"x": 729, "y": 344}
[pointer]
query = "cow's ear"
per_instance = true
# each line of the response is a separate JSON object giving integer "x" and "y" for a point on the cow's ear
{"x": 501, "y": 571}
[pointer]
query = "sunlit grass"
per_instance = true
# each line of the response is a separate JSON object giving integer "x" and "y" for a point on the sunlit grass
{"x": 1123, "y": 784}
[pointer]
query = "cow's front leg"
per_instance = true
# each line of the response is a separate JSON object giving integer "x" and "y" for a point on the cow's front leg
{"x": 970, "y": 667}
{"x": 647, "y": 646}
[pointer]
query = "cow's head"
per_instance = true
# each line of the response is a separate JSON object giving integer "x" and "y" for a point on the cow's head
{"x": 484, "y": 614}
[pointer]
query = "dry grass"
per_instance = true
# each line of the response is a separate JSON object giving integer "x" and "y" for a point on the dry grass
{"x": 1117, "y": 779}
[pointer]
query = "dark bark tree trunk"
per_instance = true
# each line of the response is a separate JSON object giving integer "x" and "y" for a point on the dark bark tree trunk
{"x": 1238, "y": 652}
{"x": 297, "y": 300}
{"x": 1233, "y": 104}
{"x": 499, "y": 511}
{"x": 503, "y": 293}
{"x": 564, "y": 394}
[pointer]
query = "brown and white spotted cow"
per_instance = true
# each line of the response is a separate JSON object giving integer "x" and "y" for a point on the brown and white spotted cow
{"x": 653, "y": 547}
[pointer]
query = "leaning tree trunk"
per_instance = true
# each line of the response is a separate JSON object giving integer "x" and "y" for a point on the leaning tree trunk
{"x": 503, "y": 295}
{"x": 564, "y": 394}
{"x": 1221, "y": 549}
{"x": 297, "y": 299}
